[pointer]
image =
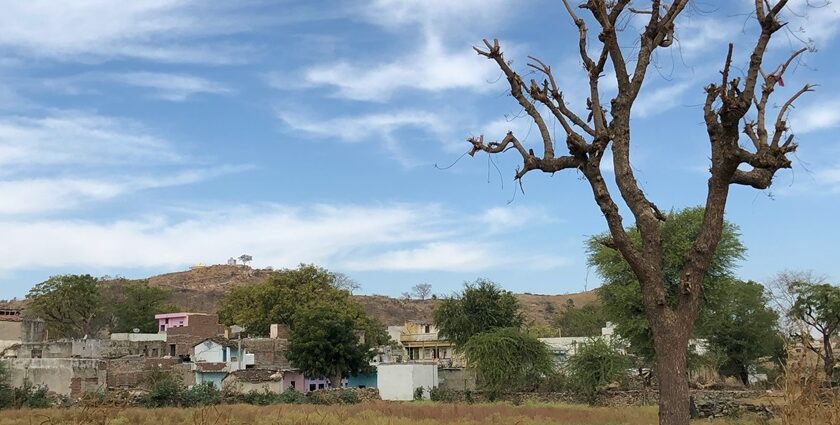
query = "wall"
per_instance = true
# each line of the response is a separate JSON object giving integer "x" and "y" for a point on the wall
{"x": 365, "y": 380}
{"x": 268, "y": 353}
{"x": 398, "y": 381}
{"x": 133, "y": 372}
{"x": 294, "y": 377}
{"x": 185, "y": 338}
{"x": 138, "y": 337}
{"x": 213, "y": 377}
{"x": 70, "y": 377}
{"x": 457, "y": 379}
{"x": 10, "y": 330}
{"x": 33, "y": 330}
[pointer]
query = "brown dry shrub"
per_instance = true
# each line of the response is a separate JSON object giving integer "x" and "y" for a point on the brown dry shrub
{"x": 807, "y": 400}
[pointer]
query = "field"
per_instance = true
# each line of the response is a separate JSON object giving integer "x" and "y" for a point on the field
{"x": 362, "y": 414}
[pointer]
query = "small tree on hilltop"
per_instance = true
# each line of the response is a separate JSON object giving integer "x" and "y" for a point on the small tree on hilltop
{"x": 421, "y": 291}
{"x": 245, "y": 259}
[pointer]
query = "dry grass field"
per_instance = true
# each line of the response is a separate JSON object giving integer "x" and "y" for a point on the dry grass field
{"x": 362, "y": 414}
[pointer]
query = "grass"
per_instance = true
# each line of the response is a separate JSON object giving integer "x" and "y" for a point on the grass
{"x": 381, "y": 413}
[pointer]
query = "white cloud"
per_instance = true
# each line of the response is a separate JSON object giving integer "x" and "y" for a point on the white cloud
{"x": 173, "y": 87}
{"x": 695, "y": 36}
{"x": 390, "y": 237}
{"x": 815, "y": 116}
{"x": 162, "y": 30}
{"x": 818, "y": 21}
{"x": 72, "y": 137}
{"x": 511, "y": 217}
{"x": 659, "y": 100}
{"x": 433, "y": 68}
{"x": 365, "y": 127}
{"x": 39, "y": 195}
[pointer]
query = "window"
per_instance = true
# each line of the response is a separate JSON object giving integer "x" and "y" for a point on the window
{"x": 320, "y": 386}
{"x": 362, "y": 386}
{"x": 224, "y": 354}
{"x": 428, "y": 329}
{"x": 172, "y": 350}
{"x": 167, "y": 321}
{"x": 293, "y": 384}
{"x": 162, "y": 328}
{"x": 312, "y": 387}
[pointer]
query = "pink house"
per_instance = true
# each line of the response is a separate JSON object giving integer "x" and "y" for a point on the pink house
{"x": 173, "y": 320}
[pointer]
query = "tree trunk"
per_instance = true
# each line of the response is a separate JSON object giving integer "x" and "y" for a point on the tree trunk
{"x": 744, "y": 374}
{"x": 335, "y": 382}
{"x": 828, "y": 360}
{"x": 672, "y": 373}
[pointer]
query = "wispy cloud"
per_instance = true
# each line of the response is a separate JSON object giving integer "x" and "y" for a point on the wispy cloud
{"x": 389, "y": 237}
{"x": 661, "y": 99}
{"x": 815, "y": 116}
{"x": 173, "y": 87}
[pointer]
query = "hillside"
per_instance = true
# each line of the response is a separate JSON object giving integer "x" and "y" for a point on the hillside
{"x": 201, "y": 289}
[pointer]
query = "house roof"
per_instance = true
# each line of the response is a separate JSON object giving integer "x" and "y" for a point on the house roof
{"x": 181, "y": 314}
{"x": 224, "y": 342}
{"x": 10, "y": 318}
{"x": 258, "y": 375}
{"x": 210, "y": 367}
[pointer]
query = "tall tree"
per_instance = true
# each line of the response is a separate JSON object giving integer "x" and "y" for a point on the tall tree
{"x": 738, "y": 323}
{"x": 481, "y": 307}
{"x": 324, "y": 341}
{"x": 817, "y": 305}
{"x": 421, "y": 291}
{"x": 580, "y": 321}
{"x": 70, "y": 305}
{"x": 587, "y": 139}
{"x": 134, "y": 306}
{"x": 621, "y": 293}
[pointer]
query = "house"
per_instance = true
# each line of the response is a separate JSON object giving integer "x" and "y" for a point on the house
{"x": 398, "y": 381}
{"x": 185, "y": 330}
{"x": 214, "y": 358}
{"x": 423, "y": 344}
{"x": 565, "y": 346}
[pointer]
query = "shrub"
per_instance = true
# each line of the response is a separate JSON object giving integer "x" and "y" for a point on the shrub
{"x": 31, "y": 396}
{"x": 442, "y": 395}
{"x": 596, "y": 364}
{"x": 204, "y": 394}
{"x": 261, "y": 398}
{"x": 418, "y": 393}
{"x": 166, "y": 390}
{"x": 348, "y": 396}
{"x": 7, "y": 393}
{"x": 291, "y": 396}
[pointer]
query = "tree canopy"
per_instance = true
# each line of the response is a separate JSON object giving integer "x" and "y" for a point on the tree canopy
{"x": 481, "y": 307}
{"x": 621, "y": 293}
{"x": 817, "y": 307}
{"x": 70, "y": 305}
{"x": 580, "y": 321}
{"x": 134, "y": 306}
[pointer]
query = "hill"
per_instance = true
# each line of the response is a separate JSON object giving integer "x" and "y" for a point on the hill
{"x": 201, "y": 289}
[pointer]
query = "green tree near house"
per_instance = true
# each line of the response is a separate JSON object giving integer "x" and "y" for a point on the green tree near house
{"x": 580, "y": 321}
{"x": 71, "y": 305}
{"x": 481, "y": 307}
{"x": 507, "y": 359}
{"x": 134, "y": 306}
{"x": 817, "y": 306}
{"x": 324, "y": 341}
{"x": 621, "y": 294}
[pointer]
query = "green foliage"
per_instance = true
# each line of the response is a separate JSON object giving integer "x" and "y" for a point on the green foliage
{"x": 31, "y": 396}
{"x": 348, "y": 396}
{"x": 442, "y": 395}
{"x": 595, "y": 364}
{"x": 291, "y": 396}
{"x": 481, "y": 307}
{"x": 507, "y": 359}
{"x": 323, "y": 342}
{"x": 166, "y": 390}
{"x": 134, "y": 306}
{"x": 70, "y": 305}
{"x": 261, "y": 398}
{"x": 204, "y": 394}
{"x": 817, "y": 305}
{"x": 7, "y": 393}
{"x": 621, "y": 294}
{"x": 738, "y": 323}
{"x": 541, "y": 331}
{"x": 581, "y": 321}
{"x": 418, "y": 393}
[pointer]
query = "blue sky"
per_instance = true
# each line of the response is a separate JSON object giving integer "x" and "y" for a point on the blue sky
{"x": 142, "y": 137}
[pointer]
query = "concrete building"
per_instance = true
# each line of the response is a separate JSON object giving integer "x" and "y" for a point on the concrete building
{"x": 398, "y": 381}
{"x": 197, "y": 327}
{"x": 69, "y": 377}
{"x": 423, "y": 344}
{"x": 214, "y": 358}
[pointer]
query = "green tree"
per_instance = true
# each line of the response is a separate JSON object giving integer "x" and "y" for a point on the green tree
{"x": 580, "y": 321}
{"x": 507, "y": 359}
{"x": 70, "y": 304}
{"x": 817, "y": 306}
{"x": 737, "y": 322}
{"x": 277, "y": 299}
{"x": 324, "y": 342}
{"x": 481, "y": 307}
{"x": 134, "y": 306}
{"x": 596, "y": 364}
{"x": 621, "y": 293}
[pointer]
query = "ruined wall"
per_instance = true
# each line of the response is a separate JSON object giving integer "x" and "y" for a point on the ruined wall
{"x": 70, "y": 377}
{"x": 457, "y": 379}
{"x": 132, "y": 372}
{"x": 33, "y": 330}
{"x": 10, "y": 330}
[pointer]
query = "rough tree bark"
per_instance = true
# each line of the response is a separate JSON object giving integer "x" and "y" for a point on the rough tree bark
{"x": 726, "y": 105}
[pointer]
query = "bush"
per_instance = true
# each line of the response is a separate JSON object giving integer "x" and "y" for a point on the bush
{"x": 596, "y": 364}
{"x": 291, "y": 396}
{"x": 261, "y": 398}
{"x": 7, "y": 393}
{"x": 204, "y": 394}
{"x": 418, "y": 393}
{"x": 348, "y": 396}
{"x": 166, "y": 390}
{"x": 33, "y": 397}
{"x": 442, "y": 395}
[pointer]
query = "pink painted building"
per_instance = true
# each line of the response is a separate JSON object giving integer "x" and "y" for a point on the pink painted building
{"x": 174, "y": 320}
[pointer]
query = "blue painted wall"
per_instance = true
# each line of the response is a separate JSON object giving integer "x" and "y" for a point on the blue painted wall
{"x": 214, "y": 377}
{"x": 367, "y": 380}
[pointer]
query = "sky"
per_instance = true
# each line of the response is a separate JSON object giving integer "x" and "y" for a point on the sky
{"x": 138, "y": 138}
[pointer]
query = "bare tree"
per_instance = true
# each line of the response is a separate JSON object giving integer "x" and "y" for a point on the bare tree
{"x": 347, "y": 283}
{"x": 587, "y": 138}
{"x": 421, "y": 290}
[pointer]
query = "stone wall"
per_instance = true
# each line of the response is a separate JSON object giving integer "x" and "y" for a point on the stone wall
{"x": 10, "y": 330}
{"x": 70, "y": 377}
{"x": 268, "y": 352}
{"x": 457, "y": 379}
{"x": 185, "y": 338}
{"x": 135, "y": 371}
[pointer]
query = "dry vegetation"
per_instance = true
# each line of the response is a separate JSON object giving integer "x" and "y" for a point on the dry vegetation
{"x": 365, "y": 414}
{"x": 807, "y": 401}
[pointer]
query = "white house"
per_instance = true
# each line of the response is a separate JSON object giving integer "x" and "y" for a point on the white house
{"x": 214, "y": 358}
{"x": 398, "y": 381}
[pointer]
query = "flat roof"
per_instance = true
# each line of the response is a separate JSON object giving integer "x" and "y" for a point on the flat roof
{"x": 171, "y": 315}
